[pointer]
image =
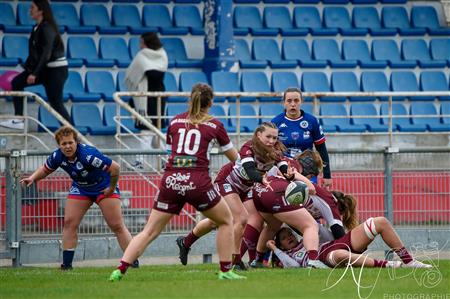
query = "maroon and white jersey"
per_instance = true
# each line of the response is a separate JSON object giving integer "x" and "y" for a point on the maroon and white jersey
{"x": 324, "y": 205}
{"x": 271, "y": 200}
{"x": 190, "y": 144}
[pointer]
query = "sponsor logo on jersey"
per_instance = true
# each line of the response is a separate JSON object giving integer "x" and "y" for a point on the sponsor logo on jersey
{"x": 176, "y": 180}
{"x": 295, "y": 135}
{"x": 162, "y": 205}
{"x": 320, "y": 130}
{"x": 260, "y": 188}
{"x": 79, "y": 166}
{"x": 84, "y": 173}
{"x": 54, "y": 155}
{"x": 283, "y": 125}
{"x": 299, "y": 255}
{"x": 88, "y": 158}
{"x": 64, "y": 163}
{"x": 227, "y": 188}
{"x": 304, "y": 124}
{"x": 96, "y": 162}
{"x": 276, "y": 207}
{"x": 250, "y": 193}
{"x": 74, "y": 190}
{"x": 73, "y": 174}
{"x": 203, "y": 205}
{"x": 306, "y": 135}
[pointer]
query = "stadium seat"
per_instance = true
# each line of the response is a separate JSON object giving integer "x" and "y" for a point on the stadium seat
{"x": 188, "y": 16}
{"x": 225, "y": 82}
{"x": 48, "y": 120}
{"x": 23, "y": 14}
{"x": 8, "y": 20}
{"x": 440, "y": 49}
{"x": 219, "y": 112}
{"x": 267, "y": 49}
{"x": 170, "y": 83}
{"x": 134, "y": 47}
{"x": 115, "y": 48}
{"x": 15, "y": 47}
{"x": 10, "y": 61}
{"x": 346, "y": 82}
{"x": 338, "y": 18}
{"x": 308, "y": 17}
{"x": 433, "y": 122}
{"x": 97, "y": 15}
{"x": 83, "y": 48}
{"x": 416, "y": 49}
{"x": 316, "y": 82}
{"x": 247, "y": 124}
{"x": 367, "y": 109}
{"x": 283, "y": 80}
{"x": 128, "y": 16}
{"x": 74, "y": 88}
{"x": 88, "y": 115}
{"x": 434, "y": 81}
{"x": 120, "y": 84}
{"x": 244, "y": 57}
{"x": 278, "y": 17}
{"x": 327, "y": 49}
{"x": 297, "y": 49}
{"x": 445, "y": 110}
{"x": 353, "y": 49}
{"x": 176, "y": 53}
{"x": 189, "y": 79}
{"x": 426, "y": 17}
{"x": 367, "y": 18}
{"x": 364, "y": 1}
{"x": 403, "y": 123}
{"x": 37, "y": 89}
{"x": 396, "y": 17}
{"x": 406, "y": 81}
{"x": 100, "y": 82}
{"x": 374, "y": 82}
{"x": 306, "y": 1}
{"x": 255, "y": 82}
{"x": 270, "y": 110}
{"x": 157, "y": 16}
{"x": 66, "y": 16}
{"x": 387, "y": 50}
{"x": 248, "y": 19}
{"x": 393, "y": 1}
{"x": 109, "y": 113}
{"x": 339, "y": 124}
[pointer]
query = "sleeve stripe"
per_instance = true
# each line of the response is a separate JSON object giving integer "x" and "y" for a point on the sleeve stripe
{"x": 47, "y": 168}
{"x": 247, "y": 159}
{"x": 320, "y": 141}
{"x": 226, "y": 147}
{"x": 281, "y": 163}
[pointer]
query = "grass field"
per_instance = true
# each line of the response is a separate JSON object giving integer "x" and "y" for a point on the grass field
{"x": 200, "y": 281}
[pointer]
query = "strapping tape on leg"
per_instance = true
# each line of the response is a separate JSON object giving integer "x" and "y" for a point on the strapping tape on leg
{"x": 369, "y": 228}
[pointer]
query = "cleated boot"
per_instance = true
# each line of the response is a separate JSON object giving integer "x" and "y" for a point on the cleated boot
{"x": 230, "y": 275}
{"x": 240, "y": 267}
{"x": 256, "y": 264}
{"x": 416, "y": 264}
{"x": 135, "y": 264}
{"x": 184, "y": 251}
{"x": 66, "y": 267}
{"x": 317, "y": 264}
{"x": 116, "y": 275}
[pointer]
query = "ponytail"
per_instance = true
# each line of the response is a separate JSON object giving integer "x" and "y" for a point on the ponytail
{"x": 264, "y": 152}
{"x": 347, "y": 208}
{"x": 201, "y": 98}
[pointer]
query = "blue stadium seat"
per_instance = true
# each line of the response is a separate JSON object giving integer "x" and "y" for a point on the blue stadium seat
{"x": 23, "y": 14}
{"x": 434, "y": 81}
{"x": 244, "y": 57}
{"x": 339, "y": 124}
{"x": 246, "y": 124}
{"x": 255, "y": 82}
{"x": 88, "y": 115}
{"x": 248, "y": 19}
{"x": 134, "y": 47}
{"x": 445, "y": 110}
{"x": 406, "y": 81}
{"x": 338, "y": 18}
{"x": 393, "y": 1}
{"x": 100, "y": 82}
{"x": 120, "y": 84}
{"x": 367, "y": 18}
{"x": 97, "y": 15}
{"x": 367, "y": 109}
{"x": 176, "y": 53}
{"x": 48, "y": 120}
{"x": 403, "y": 123}
{"x": 15, "y": 47}
{"x": 37, "y": 89}
{"x": 335, "y": 1}
{"x": 309, "y": 17}
{"x": 440, "y": 49}
{"x": 225, "y": 82}
{"x": 66, "y": 16}
{"x": 115, "y": 48}
{"x": 187, "y": 1}
{"x": 364, "y": 1}
{"x": 297, "y": 49}
{"x": 426, "y": 17}
{"x": 8, "y": 20}
{"x": 188, "y": 16}
{"x": 306, "y": 1}
{"x": 267, "y": 49}
{"x": 396, "y": 17}
{"x": 189, "y": 79}
{"x": 128, "y": 16}
{"x": 74, "y": 88}
{"x": 83, "y": 48}
{"x": 277, "y": 1}
{"x": 157, "y": 16}
{"x": 346, "y": 82}
{"x": 170, "y": 83}
{"x": 416, "y": 49}
{"x": 270, "y": 110}
{"x": 278, "y": 17}
{"x": 157, "y": 1}
{"x": 10, "y": 61}
{"x": 327, "y": 49}
{"x": 283, "y": 80}
{"x": 353, "y": 49}
{"x": 110, "y": 111}
{"x": 433, "y": 123}
{"x": 374, "y": 82}
{"x": 387, "y": 50}
{"x": 219, "y": 112}
{"x": 316, "y": 82}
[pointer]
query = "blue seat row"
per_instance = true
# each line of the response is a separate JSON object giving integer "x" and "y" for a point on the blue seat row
{"x": 365, "y": 20}
{"x": 323, "y": 1}
{"x": 382, "y": 53}
{"x": 95, "y": 17}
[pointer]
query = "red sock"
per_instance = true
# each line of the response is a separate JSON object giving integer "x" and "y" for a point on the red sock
{"x": 236, "y": 258}
{"x": 243, "y": 249}
{"x": 379, "y": 263}
{"x": 404, "y": 255}
{"x": 225, "y": 266}
{"x": 190, "y": 239}
{"x": 123, "y": 266}
{"x": 313, "y": 254}
{"x": 250, "y": 238}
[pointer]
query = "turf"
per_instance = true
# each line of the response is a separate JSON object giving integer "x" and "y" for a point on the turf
{"x": 200, "y": 281}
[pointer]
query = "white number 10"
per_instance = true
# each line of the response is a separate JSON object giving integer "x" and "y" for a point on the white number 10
{"x": 185, "y": 144}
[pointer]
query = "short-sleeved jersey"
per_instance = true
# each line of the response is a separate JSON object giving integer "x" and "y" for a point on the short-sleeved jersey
{"x": 299, "y": 134}
{"x": 323, "y": 205}
{"x": 88, "y": 170}
{"x": 190, "y": 144}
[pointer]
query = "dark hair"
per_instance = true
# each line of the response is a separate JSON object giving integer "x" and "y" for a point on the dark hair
{"x": 267, "y": 154}
{"x": 347, "y": 208}
{"x": 151, "y": 40}
{"x": 47, "y": 15}
{"x": 65, "y": 131}
{"x": 201, "y": 97}
{"x": 276, "y": 263}
{"x": 292, "y": 89}
{"x": 311, "y": 162}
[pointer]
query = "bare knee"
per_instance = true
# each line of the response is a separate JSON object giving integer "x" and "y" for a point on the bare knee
{"x": 381, "y": 223}
{"x": 117, "y": 228}
{"x": 70, "y": 224}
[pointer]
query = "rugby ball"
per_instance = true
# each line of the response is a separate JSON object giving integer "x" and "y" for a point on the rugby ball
{"x": 296, "y": 193}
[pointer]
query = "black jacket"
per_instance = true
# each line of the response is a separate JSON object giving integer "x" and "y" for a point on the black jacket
{"x": 45, "y": 45}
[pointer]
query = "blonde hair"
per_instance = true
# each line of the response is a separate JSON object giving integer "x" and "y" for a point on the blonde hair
{"x": 201, "y": 98}
{"x": 347, "y": 207}
{"x": 65, "y": 131}
{"x": 264, "y": 152}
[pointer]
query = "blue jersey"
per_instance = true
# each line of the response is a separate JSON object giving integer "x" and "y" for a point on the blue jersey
{"x": 299, "y": 134}
{"x": 88, "y": 170}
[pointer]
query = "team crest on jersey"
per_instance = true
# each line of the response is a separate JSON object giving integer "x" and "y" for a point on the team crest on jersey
{"x": 295, "y": 135}
{"x": 227, "y": 188}
{"x": 306, "y": 135}
{"x": 79, "y": 166}
{"x": 299, "y": 255}
{"x": 304, "y": 124}
{"x": 259, "y": 189}
{"x": 84, "y": 173}
{"x": 176, "y": 180}
{"x": 96, "y": 162}
{"x": 73, "y": 174}
{"x": 63, "y": 163}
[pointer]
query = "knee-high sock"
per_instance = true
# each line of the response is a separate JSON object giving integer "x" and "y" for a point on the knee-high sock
{"x": 250, "y": 240}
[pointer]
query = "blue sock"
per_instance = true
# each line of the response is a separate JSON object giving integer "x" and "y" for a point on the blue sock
{"x": 68, "y": 257}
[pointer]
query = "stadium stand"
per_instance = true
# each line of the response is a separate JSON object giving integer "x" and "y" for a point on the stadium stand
{"x": 433, "y": 123}
{"x": 402, "y": 123}
{"x": 367, "y": 109}
{"x": 97, "y": 15}
{"x": 353, "y": 49}
{"x": 267, "y": 49}
{"x": 283, "y": 80}
{"x": 83, "y": 48}
{"x": 434, "y": 81}
{"x": 338, "y": 124}
{"x": 278, "y": 17}
{"x": 308, "y": 17}
{"x": 297, "y": 49}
